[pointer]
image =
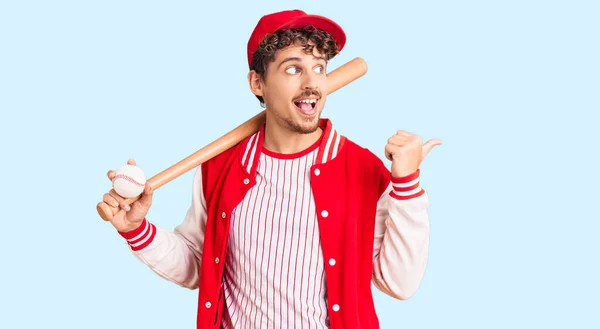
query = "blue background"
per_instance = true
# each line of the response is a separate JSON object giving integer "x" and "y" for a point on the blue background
{"x": 511, "y": 87}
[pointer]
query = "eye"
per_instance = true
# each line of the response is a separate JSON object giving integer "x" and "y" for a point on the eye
{"x": 319, "y": 69}
{"x": 292, "y": 70}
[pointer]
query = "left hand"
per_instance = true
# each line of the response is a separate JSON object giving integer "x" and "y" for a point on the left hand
{"x": 407, "y": 151}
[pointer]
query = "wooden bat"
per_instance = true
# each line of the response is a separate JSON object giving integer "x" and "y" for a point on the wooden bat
{"x": 337, "y": 79}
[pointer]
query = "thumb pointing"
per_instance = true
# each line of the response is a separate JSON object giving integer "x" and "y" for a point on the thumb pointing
{"x": 427, "y": 147}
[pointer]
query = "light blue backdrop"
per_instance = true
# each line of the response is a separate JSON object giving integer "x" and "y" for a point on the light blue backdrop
{"x": 511, "y": 87}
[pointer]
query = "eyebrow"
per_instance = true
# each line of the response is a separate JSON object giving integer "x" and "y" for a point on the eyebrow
{"x": 298, "y": 59}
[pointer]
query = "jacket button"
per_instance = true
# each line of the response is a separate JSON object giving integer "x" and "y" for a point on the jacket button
{"x": 208, "y": 305}
{"x": 246, "y": 181}
{"x": 332, "y": 262}
{"x": 336, "y": 307}
{"x": 324, "y": 213}
{"x": 317, "y": 172}
{"x": 223, "y": 214}
{"x": 217, "y": 260}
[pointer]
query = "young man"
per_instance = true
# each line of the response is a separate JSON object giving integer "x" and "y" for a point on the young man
{"x": 289, "y": 228}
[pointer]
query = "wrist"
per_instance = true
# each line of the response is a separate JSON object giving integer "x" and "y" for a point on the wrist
{"x": 406, "y": 186}
{"x": 400, "y": 172}
{"x": 141, "y": 236}
{"x": 129, "y": 226}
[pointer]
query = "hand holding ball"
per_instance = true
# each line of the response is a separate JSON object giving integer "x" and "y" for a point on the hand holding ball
{"x": 129, "y": 181}
{"x": 128, "y": 202}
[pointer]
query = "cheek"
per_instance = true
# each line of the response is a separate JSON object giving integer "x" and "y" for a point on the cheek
{"x": 286, "y": 90}
{"x": 322, "y": 83}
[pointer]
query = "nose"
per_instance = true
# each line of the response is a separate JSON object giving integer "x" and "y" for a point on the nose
{"x": 310, "y": 81}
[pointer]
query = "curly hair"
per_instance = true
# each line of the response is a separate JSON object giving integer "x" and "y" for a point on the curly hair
{"x": 306, "y": 37}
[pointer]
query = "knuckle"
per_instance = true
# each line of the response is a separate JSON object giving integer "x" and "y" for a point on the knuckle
{"x": 116, "y": 196}
{"x": 109, "y": 200}
{"x": 111, "y": 206}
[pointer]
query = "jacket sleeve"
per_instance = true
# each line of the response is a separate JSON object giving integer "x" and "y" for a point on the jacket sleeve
{"x": 175, "y": 256}
{"x": 401, "y": 243}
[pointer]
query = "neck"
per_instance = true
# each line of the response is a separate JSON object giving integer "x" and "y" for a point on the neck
{"x": 284, "y": 141}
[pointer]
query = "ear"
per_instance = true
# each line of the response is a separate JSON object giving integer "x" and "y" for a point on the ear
{"x": 255, "y": 82}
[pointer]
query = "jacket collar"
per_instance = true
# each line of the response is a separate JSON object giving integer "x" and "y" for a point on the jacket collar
{"x": 331, "y": 145}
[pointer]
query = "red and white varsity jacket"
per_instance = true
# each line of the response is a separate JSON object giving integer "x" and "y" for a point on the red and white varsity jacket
{"x": 374, "y": 226}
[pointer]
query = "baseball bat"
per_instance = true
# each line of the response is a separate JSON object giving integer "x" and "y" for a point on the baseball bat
{"x": 337, "y": 79}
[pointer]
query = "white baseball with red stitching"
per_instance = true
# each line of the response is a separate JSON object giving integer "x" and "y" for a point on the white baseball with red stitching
{"x": 129, "y": 181}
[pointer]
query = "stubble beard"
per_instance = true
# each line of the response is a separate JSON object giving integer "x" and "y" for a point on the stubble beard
{"x": 306, "y": 126}
{"x": 310, "y": 126}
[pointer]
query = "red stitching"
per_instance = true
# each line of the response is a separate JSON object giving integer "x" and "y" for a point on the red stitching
{"x": 127, "y": 178}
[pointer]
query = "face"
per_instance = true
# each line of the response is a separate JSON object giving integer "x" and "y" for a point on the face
{"x": 293, "y": 89}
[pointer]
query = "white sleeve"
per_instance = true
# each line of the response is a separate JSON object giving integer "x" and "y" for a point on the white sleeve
{"x": 401, "y": 243}
{"x": 175, "y": 256}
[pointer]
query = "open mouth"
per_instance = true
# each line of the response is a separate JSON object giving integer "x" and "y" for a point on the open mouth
{"x": 306, "y": 106}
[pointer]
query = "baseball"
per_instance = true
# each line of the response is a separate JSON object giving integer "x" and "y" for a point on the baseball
{"x": 129, "y": 181}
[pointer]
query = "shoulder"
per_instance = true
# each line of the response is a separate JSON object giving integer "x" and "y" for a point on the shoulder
{"x": 372, "y": 168}
{"x": 222, "y": 160}
{"x": 362, "y": 155}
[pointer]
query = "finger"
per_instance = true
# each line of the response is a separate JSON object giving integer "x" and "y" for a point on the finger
{"x": 110, "y": 174}
{"x": 111, "y": 210}
{"x": 124, "y": 205}
{"x": 403, "y": 133}
{"x": 427, "y": 147}
{"x": 390, "y": 150}
{"x": 131, "y": 162}
{"x": 114, "y": 210}
{"x": 110, "y": 200}
{"x": 398, "y": 140}
{"x": 146, "y": 198}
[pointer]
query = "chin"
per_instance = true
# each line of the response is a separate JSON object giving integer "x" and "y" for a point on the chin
{"x": 309, "y": 129}
{"x": 304, "y": 125}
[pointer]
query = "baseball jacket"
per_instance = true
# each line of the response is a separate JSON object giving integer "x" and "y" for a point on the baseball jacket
{"x": 374, "y": 228}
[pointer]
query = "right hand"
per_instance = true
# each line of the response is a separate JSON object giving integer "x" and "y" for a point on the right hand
{"x": 128, "y": 217}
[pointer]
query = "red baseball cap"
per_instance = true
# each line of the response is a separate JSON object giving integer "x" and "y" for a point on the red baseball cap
{"x": 292, "y": 19}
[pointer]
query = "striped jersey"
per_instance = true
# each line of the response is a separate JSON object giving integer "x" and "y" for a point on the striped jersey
{"x": 274, "y": 271}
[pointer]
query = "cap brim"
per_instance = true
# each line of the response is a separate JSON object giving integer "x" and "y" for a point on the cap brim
{"x": 322, "y": 23}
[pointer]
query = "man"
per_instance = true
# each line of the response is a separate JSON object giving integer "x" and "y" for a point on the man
{"x": 289, "y": 228}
